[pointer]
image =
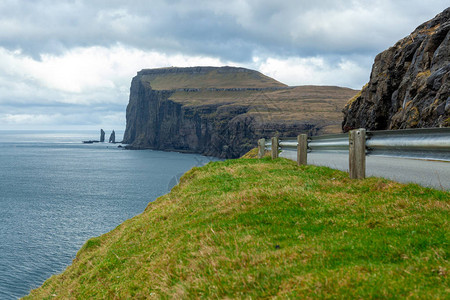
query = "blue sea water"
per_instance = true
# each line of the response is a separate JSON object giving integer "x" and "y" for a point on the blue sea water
{"x": 56, "y": 192}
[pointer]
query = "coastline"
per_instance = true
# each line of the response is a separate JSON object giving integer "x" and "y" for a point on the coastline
{"x": 57, "y": 193}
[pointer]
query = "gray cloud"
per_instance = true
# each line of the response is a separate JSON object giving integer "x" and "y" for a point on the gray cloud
{"x": 232, "y": 30}
{"x": 71, "y": 62}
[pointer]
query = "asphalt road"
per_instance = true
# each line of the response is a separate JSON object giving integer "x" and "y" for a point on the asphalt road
{"x": 428, "y": 173}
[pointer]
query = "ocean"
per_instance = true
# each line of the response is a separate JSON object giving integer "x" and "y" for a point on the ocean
{"x": 56, "y": 193}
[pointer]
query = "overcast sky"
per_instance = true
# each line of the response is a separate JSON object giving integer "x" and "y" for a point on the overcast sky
{"x": 68, "y": 64}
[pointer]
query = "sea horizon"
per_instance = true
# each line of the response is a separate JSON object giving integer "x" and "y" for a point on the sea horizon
{"x": 58, "y": 192}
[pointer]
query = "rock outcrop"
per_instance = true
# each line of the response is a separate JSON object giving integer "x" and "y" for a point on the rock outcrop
{"x": 102, "y": 135}
{"x": 223, "y": 111}
{"x": 409, "y": 85}
{"x": 112, "y": 137}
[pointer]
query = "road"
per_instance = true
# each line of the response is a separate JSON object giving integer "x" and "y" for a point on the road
{"x": 435, "y": 174}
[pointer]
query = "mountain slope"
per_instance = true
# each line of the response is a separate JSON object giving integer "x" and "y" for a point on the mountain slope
{"x": 409, "y": 85}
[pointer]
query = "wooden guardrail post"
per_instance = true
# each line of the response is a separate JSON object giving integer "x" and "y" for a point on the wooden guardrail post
{"x": 302, "y": 148}
{"x": 357, "y": 153}
{"x": 274, "y": 147}
{"x": 261, "y": 148}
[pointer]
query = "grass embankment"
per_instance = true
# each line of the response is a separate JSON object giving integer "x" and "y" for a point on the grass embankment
{"x": 263, "y": 228}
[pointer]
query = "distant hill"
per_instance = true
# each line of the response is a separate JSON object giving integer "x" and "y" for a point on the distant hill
{"x": 222, "y": 111}
{"x": 409, "y": 85}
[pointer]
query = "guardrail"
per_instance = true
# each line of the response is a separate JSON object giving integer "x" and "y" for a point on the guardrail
{"x": 427, "y": 143}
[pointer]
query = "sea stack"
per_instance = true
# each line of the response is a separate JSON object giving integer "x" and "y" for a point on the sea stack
{"x": 112, "y": 137}
{"x": 102, "y": 136}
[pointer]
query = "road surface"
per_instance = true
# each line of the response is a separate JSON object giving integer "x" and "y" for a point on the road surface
{"x": 435, "y": 174}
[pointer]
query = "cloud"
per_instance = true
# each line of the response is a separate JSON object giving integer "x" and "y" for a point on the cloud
{"x": 80, "y": 71}
{"x": 82, "y": 86}
{"x": 347, "y": 72}
{"x": 62, "y": 120}
{"x": 71, "y": 62}
{"x": 230, "y": 30}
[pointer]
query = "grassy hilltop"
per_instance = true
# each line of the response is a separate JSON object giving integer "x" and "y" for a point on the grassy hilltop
{"x": 207, "y": 77}
{"x": 268, "y": 228}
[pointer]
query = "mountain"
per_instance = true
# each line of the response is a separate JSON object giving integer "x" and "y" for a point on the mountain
{"x": 222, "y": 111}
{"x": 409, "y": 85}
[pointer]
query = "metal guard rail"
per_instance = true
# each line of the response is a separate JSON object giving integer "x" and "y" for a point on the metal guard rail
{"x": 425, "y": 143}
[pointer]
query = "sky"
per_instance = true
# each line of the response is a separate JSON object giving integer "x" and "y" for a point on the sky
{"x": 68, "y": 64}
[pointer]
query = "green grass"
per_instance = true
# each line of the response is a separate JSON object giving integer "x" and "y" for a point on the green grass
{"x": 266, "y": 228}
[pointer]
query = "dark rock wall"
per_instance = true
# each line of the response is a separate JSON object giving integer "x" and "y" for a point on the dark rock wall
{"x": 409, "y": 85}
{"x": 143, "y": 114}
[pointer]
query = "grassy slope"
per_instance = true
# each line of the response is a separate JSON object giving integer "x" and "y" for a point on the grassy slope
{"x": 262, "y": 228}
{"x": 305, "y": 104}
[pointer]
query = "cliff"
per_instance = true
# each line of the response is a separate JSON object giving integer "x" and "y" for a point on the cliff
{"x": 409, "y": 85}
{"x": 223, "y": 111}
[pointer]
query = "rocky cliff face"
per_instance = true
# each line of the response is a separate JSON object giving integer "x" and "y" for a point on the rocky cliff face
{"x": 409, "y": 85}
{"x": 223, "y": 111}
